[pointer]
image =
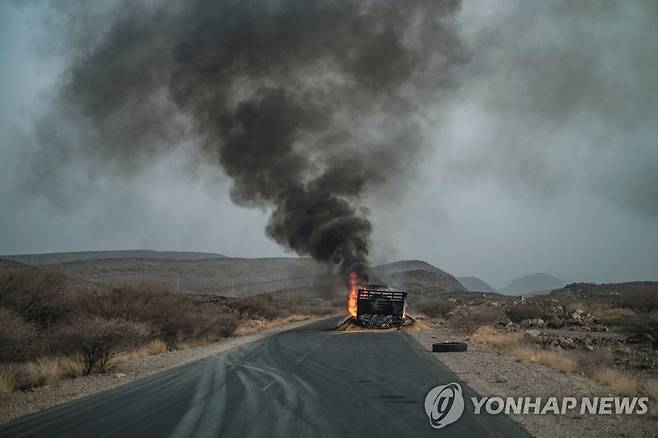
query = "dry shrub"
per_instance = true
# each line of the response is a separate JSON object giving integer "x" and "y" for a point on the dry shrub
{"x": 435, "y": 308}
{"x": 155, "y": 346}
{"x": 644, "y": 323}
{"x": 16, "y": 336}
{"x": 473, "y": 319}
{"x": 97, "y": 340}
{"x": 42, "y": 315}
{"x": 619, "y": 382}
{"x": 641, "y": 302}
{"x": 172, "y": 318}
{"x": 36, "y": 294}
{"x": 522, "y": 312}
{"x": 42, "y": 371}
{"x": 615, "y": 314}
{"x": 73, "y": 365}
{"x": 256, "y": 306}
{"x": 7, "y": 379}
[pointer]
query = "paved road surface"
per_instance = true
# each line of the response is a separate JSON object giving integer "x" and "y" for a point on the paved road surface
{"x": 306, "y": 382}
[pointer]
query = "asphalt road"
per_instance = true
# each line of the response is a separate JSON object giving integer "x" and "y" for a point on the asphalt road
{"x": 306, "y": 382}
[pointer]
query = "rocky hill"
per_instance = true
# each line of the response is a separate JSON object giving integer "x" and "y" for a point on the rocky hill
{"x": 610, "y": 292}
{"x": 417, "y": 276}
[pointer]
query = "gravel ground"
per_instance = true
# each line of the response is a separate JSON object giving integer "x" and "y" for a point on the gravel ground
{"x": 23, "y": 403}
{"x": 491, "y": 374}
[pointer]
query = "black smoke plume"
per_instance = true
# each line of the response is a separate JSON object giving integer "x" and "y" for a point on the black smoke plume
{"x": 307, "y": 105}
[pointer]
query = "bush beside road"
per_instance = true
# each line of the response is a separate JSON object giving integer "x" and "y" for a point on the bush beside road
{"x": 53, "y": 327}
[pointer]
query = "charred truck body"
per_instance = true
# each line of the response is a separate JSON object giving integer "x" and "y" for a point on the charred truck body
{"x": 378, "y": 306}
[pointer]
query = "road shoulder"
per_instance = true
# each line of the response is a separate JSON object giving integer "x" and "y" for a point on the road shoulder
{"x": 491, "y": 374}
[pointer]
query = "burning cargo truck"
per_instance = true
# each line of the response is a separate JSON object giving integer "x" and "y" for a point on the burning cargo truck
{"x": 375, "y": 306}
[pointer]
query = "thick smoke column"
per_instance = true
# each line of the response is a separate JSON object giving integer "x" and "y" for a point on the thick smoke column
{"x": 306, "y": 105}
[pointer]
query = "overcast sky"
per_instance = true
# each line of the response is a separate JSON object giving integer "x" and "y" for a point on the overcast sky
{"x": 543, "y": 158}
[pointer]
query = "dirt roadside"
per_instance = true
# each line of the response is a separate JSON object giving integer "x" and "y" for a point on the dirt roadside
{"x": 491, "y": 374}
{"x": 19, "y": 404}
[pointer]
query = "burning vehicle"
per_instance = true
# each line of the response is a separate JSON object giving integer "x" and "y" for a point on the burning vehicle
{"x": 375, "y": 306}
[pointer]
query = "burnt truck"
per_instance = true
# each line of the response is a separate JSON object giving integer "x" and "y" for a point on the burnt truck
{"x": 379, "y": 306}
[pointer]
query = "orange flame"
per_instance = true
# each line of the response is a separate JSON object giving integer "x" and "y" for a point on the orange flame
{"x": 353, "y": 294}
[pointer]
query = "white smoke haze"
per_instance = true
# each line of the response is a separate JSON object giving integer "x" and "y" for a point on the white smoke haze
{"x": 538, "y": 155}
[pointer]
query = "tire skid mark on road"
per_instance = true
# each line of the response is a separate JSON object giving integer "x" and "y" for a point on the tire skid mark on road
{"x": 300, "y": 423}
{"x": 384, "y": 382}
{"x": 334, "y": 422}
{"x": 205, "y": 410}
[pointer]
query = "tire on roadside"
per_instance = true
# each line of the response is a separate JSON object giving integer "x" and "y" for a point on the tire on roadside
{"x": 449, "y": 347}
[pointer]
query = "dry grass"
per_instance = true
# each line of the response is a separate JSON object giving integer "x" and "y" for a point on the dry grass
{"x": 73, "y": 366}
{"x": 151, "y": 348}
{"x": 250, "y": 326}
{"x": 191, "y": 344}
{"x": 123, "y": 357}
{"x": 43, "y": 371}
{"x": 7, "y": 380}
{"x": 512, "y": 343}
{"x": 556, "y": 360}
{"x": 254, "y": 325}
{"x": 156, "y": 346}
{"x": 552, "y": 359}
{"x": 619, "y": 382}
{"x": 499, "y": 340}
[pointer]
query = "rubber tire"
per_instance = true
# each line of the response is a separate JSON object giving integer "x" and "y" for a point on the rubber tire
{"x": 449, "y": 347}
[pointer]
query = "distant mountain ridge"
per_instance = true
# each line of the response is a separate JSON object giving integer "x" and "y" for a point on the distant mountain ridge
{"x": 533, "y": 283}
{"x": 216, "y": 274}
{"x": 474, "y": 284}
{"x": 66, "y": 257}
